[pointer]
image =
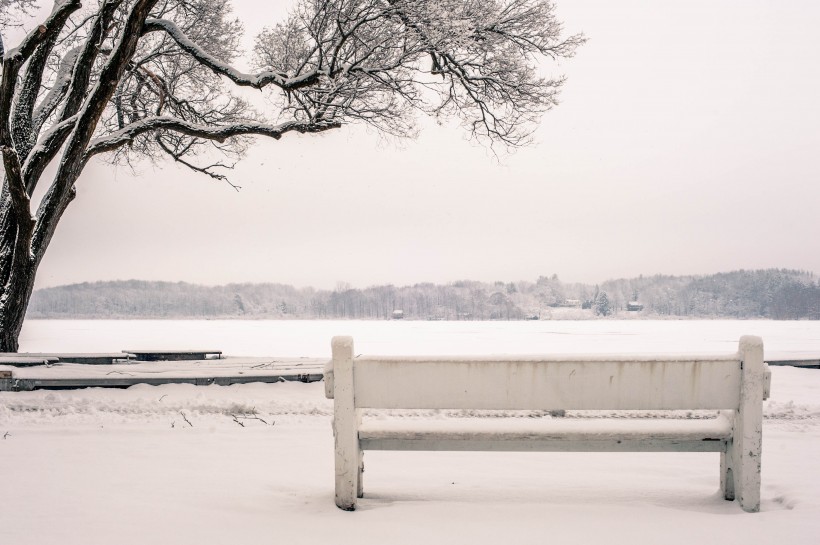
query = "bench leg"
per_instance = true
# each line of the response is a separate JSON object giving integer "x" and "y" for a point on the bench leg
{"x": 347, "y": 470}
{"x": 360, "y": 461}
{"x": 745, "y": 468}
{"x": 360, "y": 481}
{"x": 747, "y": 434}
{"x": 727, "y": 471}
{"x": 346, "y": 419}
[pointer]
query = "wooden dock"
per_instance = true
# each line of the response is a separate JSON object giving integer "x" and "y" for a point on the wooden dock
{"x": 205, "y": 372}
{"x": 805, "y": 363}
{"x": 26, "y": 360}
{"x": 91, "y": 358}
{"x": 173, "y": 355}
{"x": 29, "y": 384}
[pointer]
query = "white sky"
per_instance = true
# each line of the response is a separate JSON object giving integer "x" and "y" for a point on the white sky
{"x": 686, "y": 143}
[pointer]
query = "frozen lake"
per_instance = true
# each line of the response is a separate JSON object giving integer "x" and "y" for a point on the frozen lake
{"x": 311, "y": 338}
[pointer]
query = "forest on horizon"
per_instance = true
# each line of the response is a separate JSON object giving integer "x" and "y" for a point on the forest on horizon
{"x": 772, "y": 293}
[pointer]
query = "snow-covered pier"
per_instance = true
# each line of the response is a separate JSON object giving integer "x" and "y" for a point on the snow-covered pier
{"x": 222, "y": 371}
{"x": 809, "y": 363}
{"x": 24, "y": 359}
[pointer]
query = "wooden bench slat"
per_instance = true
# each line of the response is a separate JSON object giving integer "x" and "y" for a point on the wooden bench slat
{"x": 546, "y": 444}
{"x": 548, "y": 384}
{"x": 555, "y": 435}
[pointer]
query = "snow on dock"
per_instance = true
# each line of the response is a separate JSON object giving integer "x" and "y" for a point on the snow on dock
{"x": 90, "y": 358}
{"x": 173, "y": 355}
{"x": 222, "y": 371}
{"x": 810, "y": 363}
{"x": 26, "y": 360}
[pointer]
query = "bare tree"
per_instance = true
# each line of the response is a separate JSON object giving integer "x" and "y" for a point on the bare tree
{"x": 152, "y": 78}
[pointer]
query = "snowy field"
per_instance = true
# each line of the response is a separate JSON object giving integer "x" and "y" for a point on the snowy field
{"x": 253, "y": 464}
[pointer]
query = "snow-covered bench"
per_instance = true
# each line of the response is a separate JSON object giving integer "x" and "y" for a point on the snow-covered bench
{"x": 734, "y": 384}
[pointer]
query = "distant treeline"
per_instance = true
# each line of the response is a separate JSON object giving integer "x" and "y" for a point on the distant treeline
{"x": 772, "y": 293}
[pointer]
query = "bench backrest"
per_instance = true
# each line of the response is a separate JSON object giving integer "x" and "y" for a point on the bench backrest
{"x": 545, "y": 383}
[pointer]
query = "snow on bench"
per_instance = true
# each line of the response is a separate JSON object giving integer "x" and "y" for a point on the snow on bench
{"x": 734, "y": 384}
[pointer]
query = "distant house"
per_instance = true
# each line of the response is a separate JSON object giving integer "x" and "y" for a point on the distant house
{"x": 398, "y": 314}
{"x": 634, "y": 306}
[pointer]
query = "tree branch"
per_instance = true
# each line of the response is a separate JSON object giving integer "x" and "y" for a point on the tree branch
{"x": 208, "y": 170}
{"x": 22, "y": 129}
{"x": 51, "y": 27}
{"x": 62, "y": 82}
{"x": 46, "y": 148}
{"x": 85, "y": 62}
{"x": 257, "y": 81}
{"x": 45, "y": 151}
{"x": 12, "y": 62}
{"x": 209, "y": 132}
{"x": 19, "y": 199}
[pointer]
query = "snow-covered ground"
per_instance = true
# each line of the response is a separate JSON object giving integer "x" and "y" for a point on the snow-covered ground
{"x": 253, "y": 463}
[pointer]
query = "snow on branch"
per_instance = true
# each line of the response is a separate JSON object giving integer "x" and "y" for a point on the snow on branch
{"x": 12, "y": 61}
{"x": 485, "y": 63}
{"x": 61, "y": 85}
{"x": 257, "y": 81}
{"x": 69, "y": 90}
{"x": 23, "y": 129}
{"x": 209, "y": 132}
{"x": 44, "y": 150}
{"x": 101, "y": 27}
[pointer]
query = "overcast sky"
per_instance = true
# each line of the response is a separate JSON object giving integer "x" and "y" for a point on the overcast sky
{"x": 686, "y": 142}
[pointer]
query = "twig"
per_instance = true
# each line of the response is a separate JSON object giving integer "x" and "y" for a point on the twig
{"x": 7, "y": 434}
{"x": 264, "y": 364}
{"x": 162, "y": 396}
{"x": 250, "y": 415}
{"x": 120, "y": 373}
{"x": 186, "y": 419}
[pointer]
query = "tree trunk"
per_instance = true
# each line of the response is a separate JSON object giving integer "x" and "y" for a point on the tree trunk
{"x": 13, "y": 308}
{"x": 17, "y": 270}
